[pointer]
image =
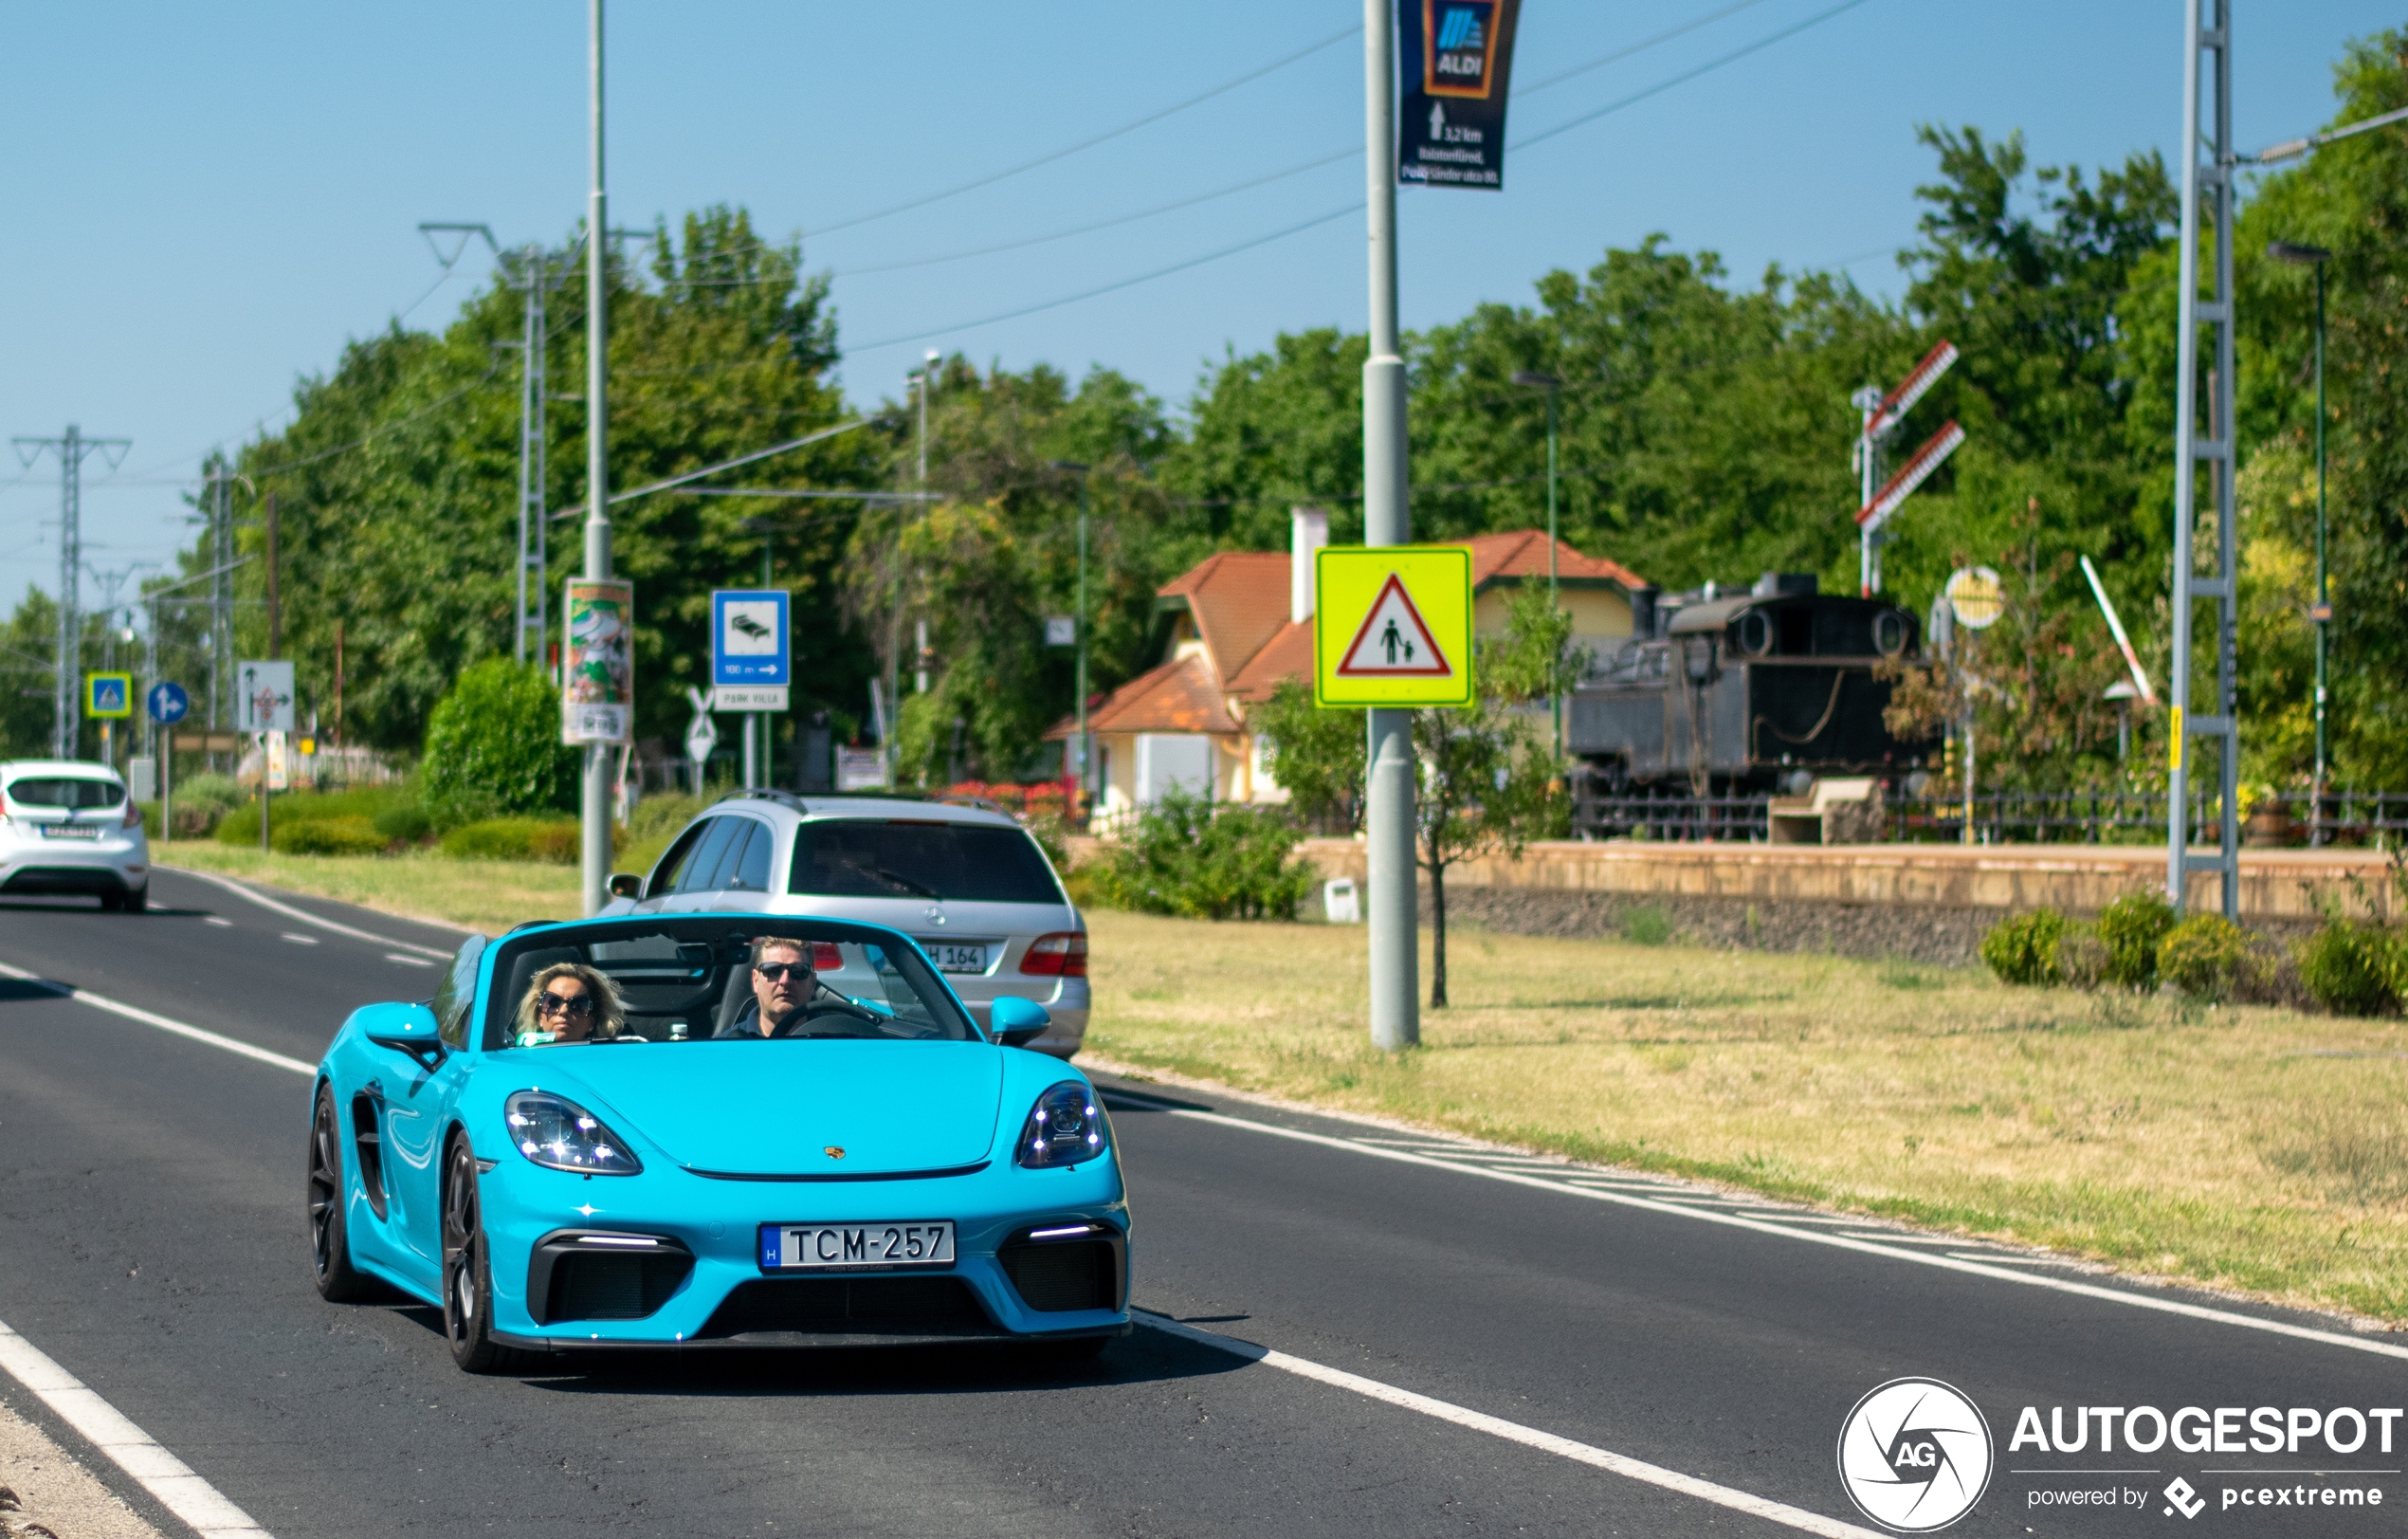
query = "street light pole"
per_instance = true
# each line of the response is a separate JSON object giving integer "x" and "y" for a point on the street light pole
{"x": 2322, "y": 615}
{"x": 1087, "y": 749}
{"x": 1540, "y": 379}
{"x": 595, "y": 811}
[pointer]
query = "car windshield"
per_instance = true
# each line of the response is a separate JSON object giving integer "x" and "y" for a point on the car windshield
{"x": 969, "y": 862}
{"x": 679, "y": 981}
{"x": 73, "y": 792}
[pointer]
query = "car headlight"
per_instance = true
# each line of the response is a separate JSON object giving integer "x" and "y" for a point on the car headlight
{"x": 555, "y": 1131}
{"x": 1064, "y": 1127}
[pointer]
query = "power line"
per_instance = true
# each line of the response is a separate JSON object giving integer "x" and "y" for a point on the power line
{"x": 1535, "y": 86}
{"x": 1090, "y": 143}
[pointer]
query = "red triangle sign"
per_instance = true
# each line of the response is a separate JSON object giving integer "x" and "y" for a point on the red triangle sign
{"x": 1393, "y": 643}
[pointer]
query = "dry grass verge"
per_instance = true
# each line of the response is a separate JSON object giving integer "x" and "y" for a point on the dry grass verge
{"x": 490, "y": 895}
{"x": 2256, "y": 1149}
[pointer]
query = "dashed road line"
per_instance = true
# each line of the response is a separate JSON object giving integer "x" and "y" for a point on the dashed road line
{"x": 408, "y": 961}
{"x": 290, "y": 912}
{"x": 156, "y": 1470}
{"x": 221, "y": 923}
{"x": 1703, "y": 1212}
{"x": 299, "y": 940}
{"x": 1621, "y": 1464}
{"x": 101, "y": 1001}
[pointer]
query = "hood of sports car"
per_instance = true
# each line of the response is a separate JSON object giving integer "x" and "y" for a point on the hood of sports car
{"x": 775, "y": 1108}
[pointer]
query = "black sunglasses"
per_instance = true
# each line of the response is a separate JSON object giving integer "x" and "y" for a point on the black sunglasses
{"x": 775, "y": 970}
{"x": 554, "y": 1004}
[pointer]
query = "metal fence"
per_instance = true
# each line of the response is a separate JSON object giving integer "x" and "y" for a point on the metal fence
{"x": 2097, "y": 816}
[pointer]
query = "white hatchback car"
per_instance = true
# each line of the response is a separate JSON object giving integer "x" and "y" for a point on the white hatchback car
{"x": 969, "y": 885}
{"x": 67, "y": 828}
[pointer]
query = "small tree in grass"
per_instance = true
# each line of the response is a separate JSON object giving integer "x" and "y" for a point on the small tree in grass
{"x": 1488, "y": 781}
{"x": 494, "y": 749}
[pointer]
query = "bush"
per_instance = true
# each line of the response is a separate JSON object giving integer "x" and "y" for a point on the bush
{"x": 2203, "y": 955}
{"x": 201, "y": 802}
{"x": 548, "y": 841}
{"x": 2081, "y": 958}
{"x": 2130, "y": 928}
{"x": 345, "y": 835}
{"x": 2022, "y": 948}
{"x": 2352, "y": 969}
{"x": 1189, "y": 855}
{"x": 494, "y": 749}
{"x": 405, "y": 824}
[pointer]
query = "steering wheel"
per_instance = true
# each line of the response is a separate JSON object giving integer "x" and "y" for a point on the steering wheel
{"x": 799, "y": 1022}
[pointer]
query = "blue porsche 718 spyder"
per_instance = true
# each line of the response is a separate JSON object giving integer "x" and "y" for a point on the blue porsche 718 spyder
{"x": 687, "y": 1130}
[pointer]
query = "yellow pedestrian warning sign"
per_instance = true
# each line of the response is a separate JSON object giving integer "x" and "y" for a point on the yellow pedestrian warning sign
{"x": 1392, "y": 625}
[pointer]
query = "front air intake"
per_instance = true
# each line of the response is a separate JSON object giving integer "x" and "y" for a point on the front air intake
{"x": 1057, "y": 1275}
{"x": 942, "y": 1306}
{"x": 613, "y": 1287}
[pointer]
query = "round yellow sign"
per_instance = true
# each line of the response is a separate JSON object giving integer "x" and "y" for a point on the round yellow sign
{"x": 1977, "y": 596}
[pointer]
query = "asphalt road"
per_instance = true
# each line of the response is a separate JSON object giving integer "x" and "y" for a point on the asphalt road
{"x": 151, "y": 1243}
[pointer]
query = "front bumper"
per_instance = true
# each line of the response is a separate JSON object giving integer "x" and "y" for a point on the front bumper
{"x": 532, "y": 1216}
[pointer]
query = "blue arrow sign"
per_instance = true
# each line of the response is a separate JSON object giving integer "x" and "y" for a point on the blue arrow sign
{"x": 168, "y": 704}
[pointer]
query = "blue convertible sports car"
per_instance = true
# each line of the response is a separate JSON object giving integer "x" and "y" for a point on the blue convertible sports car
{"x": 689, "y": 1130}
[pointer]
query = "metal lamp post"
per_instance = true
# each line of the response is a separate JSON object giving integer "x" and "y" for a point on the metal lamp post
{"x": 2322, "y": 615}
{"x": 1087, "y": 749}
{"x": 1540, "y": 379}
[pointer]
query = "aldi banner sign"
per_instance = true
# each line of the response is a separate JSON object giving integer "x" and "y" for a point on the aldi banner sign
{"x": 1456, "y": 57}
{"x": 597, "y": 666}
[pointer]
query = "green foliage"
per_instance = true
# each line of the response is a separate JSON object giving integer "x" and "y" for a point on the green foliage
{"x": 551, "y": 842}
{"x": 1316, "y": 755}
{"x": 1647, "y": 925}
{"x": 2352, "y": 968}
{"x": 405, "y": 823}
{"x": 346, "y": 834}
{"x": 2130, "y": 928}
{"x": 2203, "y": 955}
{"x": 494, "y": 747}
{"x": 2022, "y": 948}
{"x": 1206, "y": 860}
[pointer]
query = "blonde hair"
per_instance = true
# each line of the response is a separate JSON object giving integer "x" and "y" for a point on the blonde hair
{"x": 610, "y": 1010}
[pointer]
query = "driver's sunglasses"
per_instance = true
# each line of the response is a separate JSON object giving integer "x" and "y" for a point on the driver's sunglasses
{"x": 775, "y": 971}
{"x": 570, "y": 1004}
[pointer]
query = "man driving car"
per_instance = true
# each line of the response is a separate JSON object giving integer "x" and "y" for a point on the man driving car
{"x": 785, "y": 989}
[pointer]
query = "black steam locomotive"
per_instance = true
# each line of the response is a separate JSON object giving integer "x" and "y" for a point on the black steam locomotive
{"x": 1738, "y": 695}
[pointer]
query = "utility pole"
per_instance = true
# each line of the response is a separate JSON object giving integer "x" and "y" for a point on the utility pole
{"x": 1540, "y": 379}
{"x": 1079, "y": 738}
{"x": 594, "y": 813}
{"x": 71, "y": 447}
{"x": 2321, "y": 615}
{"x": 1395, "y": 1020}
{"x": 2207, "y": 64}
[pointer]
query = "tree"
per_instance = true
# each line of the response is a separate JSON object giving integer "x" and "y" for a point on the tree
{"x": 494, "y": 749}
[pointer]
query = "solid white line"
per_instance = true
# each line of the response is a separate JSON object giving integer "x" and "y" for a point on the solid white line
{"x": 1815, "y": 1236}
{"x": 1547, "y": 1442}
{"x": 221, "y": 923}
{"x": 290, "y": 912}
{"x": 154, "y": 1469}
{"x": 299, "y": 940}
{"x": 99, "y": 1002}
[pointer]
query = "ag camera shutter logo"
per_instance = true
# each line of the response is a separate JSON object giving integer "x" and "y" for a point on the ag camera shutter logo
{"x": 1915, "y": 1454}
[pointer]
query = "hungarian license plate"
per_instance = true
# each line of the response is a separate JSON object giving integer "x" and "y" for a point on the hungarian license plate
{"x": 958, "y": 959}
{"x": 70, "y": 831}
{"x": 871, "y": 1247}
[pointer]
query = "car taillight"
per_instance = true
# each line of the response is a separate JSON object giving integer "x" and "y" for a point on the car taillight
{"x": 825, "y": 957}
{"x": 1063, "y": 955}
{"x": 133, "y": 815}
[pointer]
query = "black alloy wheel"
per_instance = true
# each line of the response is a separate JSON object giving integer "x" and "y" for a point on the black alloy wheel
{"x": 329, "y": 1232}
{"x": 467, "y": 1274}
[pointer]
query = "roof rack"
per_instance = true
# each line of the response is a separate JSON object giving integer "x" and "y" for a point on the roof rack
{"x": 800, "y": 802}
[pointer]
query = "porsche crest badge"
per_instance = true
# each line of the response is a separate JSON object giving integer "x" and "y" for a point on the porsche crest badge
{"x": 833, "y": 1151}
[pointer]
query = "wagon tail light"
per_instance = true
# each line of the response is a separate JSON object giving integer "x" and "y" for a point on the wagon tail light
{"x": 1063, "y": 955}
{"x": 825, "y": 957}
{"x": 132, "y": 813}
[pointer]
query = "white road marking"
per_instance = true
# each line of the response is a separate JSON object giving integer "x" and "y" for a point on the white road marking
{"x": 1810, "y": 1236}
{"x": 290, "y": 912}
{"x": 408, "y": 961}
{"x": 221, "y": 923}
{"x": 1632, "y": 1469}
{"x": 158, "y": 1472}
{"x": 299, "y": 940}
{"x": 99, "y": 1002}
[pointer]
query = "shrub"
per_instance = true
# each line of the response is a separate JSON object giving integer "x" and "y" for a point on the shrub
{"x": 2351, "y": 969}
{"x": 2130, "y": 928}
{"x": 2022, "y": 948}
{"x": 238, "y": 825}
{"x": 2203, "y": 955}
{"x": 201, "y": 802}
{"x": 548, "y": 841}
{"x": 494, "y": 749}
{"x": 2081, "y": 957}
{"x": 1647, "y": 925}
{"x": 405, "y": 824}
{"x": 346, "y": 836}
{"x": 1189, "y": 855}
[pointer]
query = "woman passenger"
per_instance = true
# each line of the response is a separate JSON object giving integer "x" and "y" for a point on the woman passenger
{"x": 570, "y": 1002}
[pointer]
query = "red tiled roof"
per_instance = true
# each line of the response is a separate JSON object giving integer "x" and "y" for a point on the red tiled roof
{"x": 1288, "y": 655}
{"x": 1181, "y": 696}
{"x": 1239, "y": 599}
{"x": 1523, "y": 553}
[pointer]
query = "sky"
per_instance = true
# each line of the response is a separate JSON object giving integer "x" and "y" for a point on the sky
{"x": 200, "y": 205}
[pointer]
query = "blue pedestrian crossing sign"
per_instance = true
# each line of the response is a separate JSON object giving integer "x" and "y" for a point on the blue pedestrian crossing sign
{"x": 169, "y": 703}
{"x": 108, "y": 696}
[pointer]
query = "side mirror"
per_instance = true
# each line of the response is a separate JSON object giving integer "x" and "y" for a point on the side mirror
{"x": 1017, "y": 1022}
{"x": 626, "y": 885}
{"x": 414, "y": 1033}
